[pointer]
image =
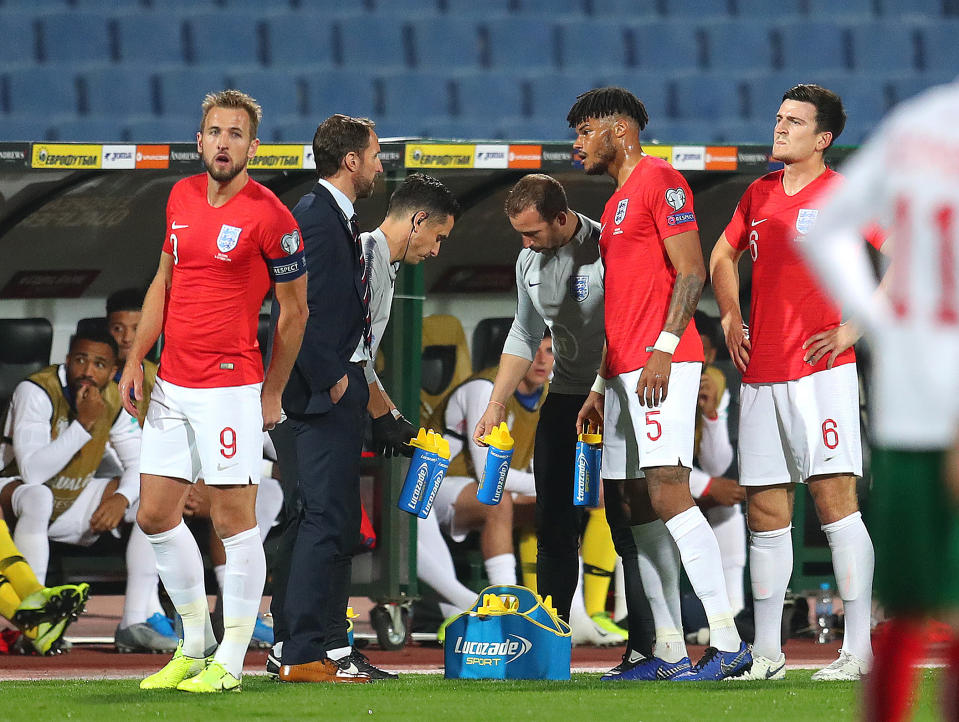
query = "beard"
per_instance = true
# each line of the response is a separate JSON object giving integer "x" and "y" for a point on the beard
{"x": 226, "y": 175}
{"x": 364, "y": 188}
{"x": 601, "y": 160}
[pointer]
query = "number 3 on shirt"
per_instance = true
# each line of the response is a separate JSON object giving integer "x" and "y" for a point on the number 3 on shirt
{"x": 173, "y": 242}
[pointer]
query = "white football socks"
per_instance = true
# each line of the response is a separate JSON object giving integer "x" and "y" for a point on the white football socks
{"x": 659, "y": 569}
{"x": 434, "y": 565}
{"x": 853, "y": 561}
{"x": 770, "y": 567}
{"x": 700, "y": 554}
{"x": 33, "y": 505}
{"x": 242, "y": 592}
{"x": 141, "y": 600}
{"x": 501, "y": 569}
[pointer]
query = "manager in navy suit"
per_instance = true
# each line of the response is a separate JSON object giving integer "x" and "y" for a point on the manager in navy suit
{"x": 326, "y": 400}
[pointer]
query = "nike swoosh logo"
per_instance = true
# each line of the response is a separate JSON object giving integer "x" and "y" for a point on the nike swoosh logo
{"x": 770, "y": 673}
{"x": 732, "y": 666}
{"x": 176, "y": 225}
{"x": 828, "y": 459}
{"x": 531, "y": 284}
{"x": 224, "y": 467}
{"x": 756, "y": 223}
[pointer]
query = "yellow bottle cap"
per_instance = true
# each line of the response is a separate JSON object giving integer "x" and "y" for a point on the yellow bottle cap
{"x": 350, "y": 614}
{"x": 442, "y": 447}
{"x": 499, "y": 438}
{"x": 590, "y": 435}
{"x": 425, "y": 440}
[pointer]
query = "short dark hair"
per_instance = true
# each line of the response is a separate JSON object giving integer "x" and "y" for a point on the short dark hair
{"x": 95, "y": 330}
{"x": 336, "y": 137}
{"x": 830, "y": 115}
{"x": 711, "y": 328}
{"x": 604, "y": 102}
{"x": 126, "y": 299}
{"x": 421, "y": 192}
{"x": 542, "y": 192}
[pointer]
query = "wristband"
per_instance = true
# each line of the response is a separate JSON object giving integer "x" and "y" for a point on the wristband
{"x": 705, "y": 491}
{"x": 667, "y": 342}
{"x": 396, "y": 413}
{"x": 498, "y": 403}
{"x": 599, "y": 385}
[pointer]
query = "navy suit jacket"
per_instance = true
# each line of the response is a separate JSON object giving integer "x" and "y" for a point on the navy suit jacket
{"x": 335, "y": 299}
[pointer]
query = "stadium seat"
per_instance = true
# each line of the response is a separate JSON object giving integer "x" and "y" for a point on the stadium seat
{"x": 171, "y": 128}
{"x": 940, "y": 50}
{"x": 553, "y": 9}
{"x": 551, "y": 95}
{"x": 765, "y": 10}
{"x": 521, "y": 44}
{"x": 413, "y": 95}
{"x": 473, "y": 93}
{"x": 765, "y": 94}
{"x": 299, "y": 40}
{"x": 24, "y": 348}
{"x": 738, "y": 131}
{"x": 19, "y": 43}
{"x": 693, "y": 131}
{"x": 885, "y": 47}
{"x": 446, "y": 360}
{"x": 713, "y": 95}
{"x": 446, "y": 42}
{"x": 904, "y": 88}
{"x": 118, "y": 90}
{"x": 25, "y": 127}
{"x": 74, "y": 38}
{"x": 488, "y": 339}
{"x": 90, "y": 129}
{"x": 473, "y": 9}
{"x": 588, "y": 45}
{"x": 672, "y": 46}
{"x": 372, "y": 42}
{"x": 537, "y": 128}
{"x": 866, "y": 101}
{"x": 695, "y": 9}
{"x": 738, "y": 45}
{"x": 404, "y": 8}
{"x": 852, "y": 10}
{"x": 277, "y": 93}
{"x": 621, "y": 9}
{"x": 812, "y": 46}
{"x": 155, "y": 40}
{"x": 650, "y": 87}
{"x": 234, "y": 38}
{"x": 291, "y": 129}
{"x": 465, "y": 128}
{"x": 924, "y": 9}
{"x": 43, "y": 89}
{"x": 181, "y": 90}
{"x": 345, "y": 91}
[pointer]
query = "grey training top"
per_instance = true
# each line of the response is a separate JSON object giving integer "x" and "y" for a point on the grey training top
{"x": 382, "y": 278}
{"x": 562, "y": 288}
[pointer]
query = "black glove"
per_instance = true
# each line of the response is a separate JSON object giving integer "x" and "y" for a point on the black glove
{"x": 391, "y": 434}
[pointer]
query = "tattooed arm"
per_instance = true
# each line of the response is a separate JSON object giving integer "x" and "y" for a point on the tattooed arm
{"x": 686, "y": 255}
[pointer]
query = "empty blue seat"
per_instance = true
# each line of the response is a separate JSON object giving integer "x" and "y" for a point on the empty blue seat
{"x": 739, "y": 45}
{"x": 551, "y": 95}
{"x": 553, "y": 8}
{"x": 521, "y": 44}
{"x": 488, "y": 96}
{"x": 669, "y": 46}
{"x": 738, "y": 131}
{"x": 856, "y": 10}
{"x": 763, "y": 9}
{"x": 765, "y": 94}
{"x": 24, "y": 127}
{"x": 181, "y": 91}
{"x": 373, "y": 42}
{"x": 45, "y": 90}
{"x": 940, "y": 46}
{"x": 279, "y": 94}
{"x": 73, "y": 38}
{"x": 122, "y": 90}
{"x": 299, "y": 40}
{"x": 465, "y": 128}
{"x": 404, "y": 8}
{"x": 696, "y": 9}
{"x": 224, "y": 37}
{"x": 413, "y": 95}
{"x": 473, "y": 9}
{"x": 703, "y": 96}
{"x": 19, "y": 43}
{"x": 866, "y": 101}
{"x": 595, "y": 45}
{"x": 90, "y": 129}
{"x": 293, "y": 129}
{"x": 624, "y": 10}
{"x": 173, "y": 129}
{"x": 153, "y": 38}
{"x": 446, "y": 42}
{"x": 906, "y": 87}
{"x": 886, "y": 46}
{"x": 693, "y": 132}
{"x": 649, "y": 87}
{"x": 813, "y": 46}
{"x": 928, "y": 9}
{"x": 347, "y": 92}
{"x": 536, "y": 128}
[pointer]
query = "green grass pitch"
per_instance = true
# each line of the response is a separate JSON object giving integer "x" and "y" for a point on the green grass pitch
{"x": 421, "y": 698}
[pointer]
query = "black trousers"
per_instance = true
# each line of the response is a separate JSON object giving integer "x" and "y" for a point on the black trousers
{"x": 328, "y": 448}
{"x": 558, "y": 523}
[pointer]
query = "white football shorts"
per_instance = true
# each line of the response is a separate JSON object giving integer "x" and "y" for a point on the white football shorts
{"x": 214, "y": 434}
{"x": 792, "y": 430}
{"x": 637, "y": 437}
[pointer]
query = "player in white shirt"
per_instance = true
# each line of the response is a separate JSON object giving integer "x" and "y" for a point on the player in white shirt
{"x": 906, "y": 178}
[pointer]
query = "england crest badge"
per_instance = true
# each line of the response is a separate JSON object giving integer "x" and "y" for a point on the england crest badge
{"x": 806, "y": 219}
{"x": 228, "y": 238}
{"x": 621, "y": 211}
{"x": 579, "y": 288}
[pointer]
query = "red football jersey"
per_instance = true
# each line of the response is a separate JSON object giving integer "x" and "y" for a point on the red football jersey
{"x": 787, "y": 305}
{"x": 223, "y": 262}
{"x": 654, "y": 203}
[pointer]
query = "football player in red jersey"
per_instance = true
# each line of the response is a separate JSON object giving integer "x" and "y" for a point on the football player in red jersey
{"x": 654, "y": 276}
{"x": 799, "y": 405}
{"x": 229, "y": 239}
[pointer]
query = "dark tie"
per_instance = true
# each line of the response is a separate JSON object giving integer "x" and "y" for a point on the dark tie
{"x": 365, "y": 280}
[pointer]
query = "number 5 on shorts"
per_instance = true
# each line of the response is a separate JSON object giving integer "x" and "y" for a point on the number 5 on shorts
{"x": 228, "y": 443}
{"x": 651, "y": 420}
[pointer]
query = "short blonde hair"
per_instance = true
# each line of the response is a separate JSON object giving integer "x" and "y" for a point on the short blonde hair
{"x": 233, "y": 99}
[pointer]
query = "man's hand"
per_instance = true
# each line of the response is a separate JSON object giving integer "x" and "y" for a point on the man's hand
{"x": 109, "y": 514}
{"x": 726, "y": 492}
{"x": 832, "y": 342}
{"x": 390, "y": 435}
{"x": 708, "y": 401}
{"x": 494, "y": 415}
{"x": 90, "y": 406}
{"x": 591, "y": 413}
{"x": 654, "y": 380}
{"x": 132, "y": 378}
{"x": 737, "y": 341}
{"x": 197, "y": 501}
{"x": 272, "y": 406}
{"x": 339, "y": 388}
